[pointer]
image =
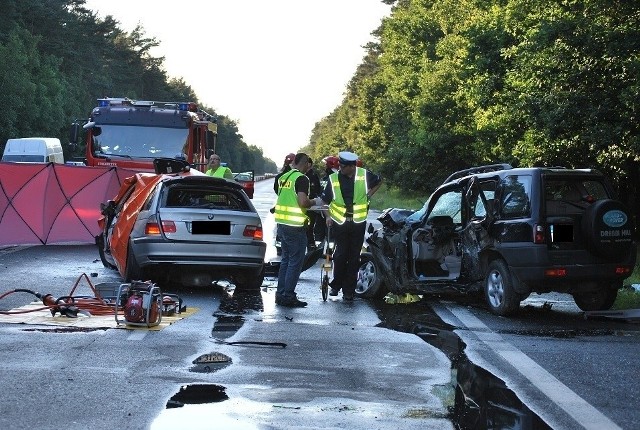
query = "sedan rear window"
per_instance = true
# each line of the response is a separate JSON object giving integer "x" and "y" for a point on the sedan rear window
{"x": 181, "y": 197}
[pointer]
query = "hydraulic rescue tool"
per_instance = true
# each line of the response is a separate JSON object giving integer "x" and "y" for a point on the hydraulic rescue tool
{"x": 66, "y": 306}
{"x": 142, "y": 304}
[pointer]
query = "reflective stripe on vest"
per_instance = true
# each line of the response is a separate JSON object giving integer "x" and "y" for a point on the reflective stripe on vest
{"x": 287, "y": 209}
{"x": 337, "y": 207}
{"x": 218, "y": 173}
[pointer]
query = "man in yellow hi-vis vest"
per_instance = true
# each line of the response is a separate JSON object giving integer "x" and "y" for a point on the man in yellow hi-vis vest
{"x": 216, "y": 170}
{"x": 291, "y": 217}
{"x": 347, "y": 193}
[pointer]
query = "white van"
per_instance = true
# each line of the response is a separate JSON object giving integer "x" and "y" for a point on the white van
{"x": 33, "y": 150}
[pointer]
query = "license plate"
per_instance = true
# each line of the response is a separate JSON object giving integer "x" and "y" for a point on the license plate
{"x": 561, "y": 233}
{"x": 210, "y": 227}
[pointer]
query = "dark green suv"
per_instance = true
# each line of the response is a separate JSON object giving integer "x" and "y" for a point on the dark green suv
{"x": 507, "y": 233}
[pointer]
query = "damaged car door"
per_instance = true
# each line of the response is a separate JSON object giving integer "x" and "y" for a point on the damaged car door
{"x": 435, "y": 242}
{"x": 475, "y": 237}
{"x": 447, "y": 245}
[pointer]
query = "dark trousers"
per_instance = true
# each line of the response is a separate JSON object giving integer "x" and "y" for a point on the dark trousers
{"x": 294, "y": 248}
{"x": 313, "y": 217}
{"x": 320, "y": 229}
{"x": 348, "y": 239}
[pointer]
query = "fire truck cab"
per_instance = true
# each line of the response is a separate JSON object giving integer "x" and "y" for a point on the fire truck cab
{"x": 132, "y": 133}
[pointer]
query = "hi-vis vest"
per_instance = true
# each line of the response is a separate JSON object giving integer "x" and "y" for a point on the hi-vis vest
{"x": 218, "y": 173}
{"x": 337, "y": 207}
{"x": 287, "y": 209}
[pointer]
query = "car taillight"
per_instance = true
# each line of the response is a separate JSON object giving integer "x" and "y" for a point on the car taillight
{"x": 168, "y": 226}
{"x": 557, "y": 272}
{"x": 538, "y": 233}
{"x": 153, "y": 228}
{"x": 623, "y": 270}
{"x": 253, "y": 231}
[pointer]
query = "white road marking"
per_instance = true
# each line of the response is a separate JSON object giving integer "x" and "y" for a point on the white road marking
{"x": 574, "y": 405}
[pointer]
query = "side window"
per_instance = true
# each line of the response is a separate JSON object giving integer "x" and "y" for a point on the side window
{"x": 515, "y": 201}
{"x": 478, "y": 208}
{"x": 125, "y": 198}
{"x": 147, "y": 204}
{"x": 448, "y": 204}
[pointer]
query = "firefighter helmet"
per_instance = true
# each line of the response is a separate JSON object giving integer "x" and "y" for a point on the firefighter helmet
{"x": 332, "y": 162}
{"x": 289, "y": 158}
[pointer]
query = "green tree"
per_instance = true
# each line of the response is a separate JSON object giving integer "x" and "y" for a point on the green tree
{"x": 576, "y": 71}
{"x": 57, "y": 57}
{"x": 450, "y": 84}
{"x": 32, "y": 89}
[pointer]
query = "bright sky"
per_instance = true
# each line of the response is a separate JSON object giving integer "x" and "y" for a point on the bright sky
{"x": 276, "y": 67}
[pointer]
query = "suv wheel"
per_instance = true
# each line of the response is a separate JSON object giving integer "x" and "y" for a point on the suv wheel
{"x": 600, "y": 300}
{"x": 499, "y": 293}
{"x": 369, "y": 283}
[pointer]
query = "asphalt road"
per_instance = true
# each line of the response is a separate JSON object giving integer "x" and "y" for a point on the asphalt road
{"x": 361, "y": 365}
{"x": 339, "y": 368}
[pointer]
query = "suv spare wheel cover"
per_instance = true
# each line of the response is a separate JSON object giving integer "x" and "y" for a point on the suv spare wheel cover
{"x": 608, "y": 229}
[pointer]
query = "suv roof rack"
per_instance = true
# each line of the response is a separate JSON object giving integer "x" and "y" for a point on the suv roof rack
{"x": 478, "y": 169}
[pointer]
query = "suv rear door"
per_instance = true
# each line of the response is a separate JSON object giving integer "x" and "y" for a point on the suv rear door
{"x": 574, "y": 207}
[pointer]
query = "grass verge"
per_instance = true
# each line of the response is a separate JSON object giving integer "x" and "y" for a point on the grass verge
{"x": 391, "y": 197}
{"x": 628, "y": 297}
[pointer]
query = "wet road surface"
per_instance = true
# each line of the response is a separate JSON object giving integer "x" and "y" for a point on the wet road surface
{"x": 242, "y": 362}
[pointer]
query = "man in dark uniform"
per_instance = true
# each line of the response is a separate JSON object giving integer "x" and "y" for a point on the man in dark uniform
{"x": 347, "y": 193}
{"x": 331, "y": 165}
{"x": 314, "y": 217}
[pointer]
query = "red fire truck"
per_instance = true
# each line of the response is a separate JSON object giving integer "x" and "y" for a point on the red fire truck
{"x": 132, "y": 133}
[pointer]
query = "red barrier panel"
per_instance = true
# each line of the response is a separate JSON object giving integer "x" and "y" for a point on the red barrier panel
{"x": 54, "y": 203}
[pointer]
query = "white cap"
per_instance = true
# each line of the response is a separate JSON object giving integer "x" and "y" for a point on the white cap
{"x": 347, "y": 158}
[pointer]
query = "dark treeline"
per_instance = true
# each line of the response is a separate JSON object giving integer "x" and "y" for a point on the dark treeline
{"x": 57, "y": 58}
{"x": 449, "y": 84}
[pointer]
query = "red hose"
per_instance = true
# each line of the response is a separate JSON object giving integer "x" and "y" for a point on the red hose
{"x": 94, "y": 305}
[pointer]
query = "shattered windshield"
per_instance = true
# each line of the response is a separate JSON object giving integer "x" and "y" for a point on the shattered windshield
{"x": 417, "y": 216}
{"x": 448, "y": 204}
{"x": 138, "y": 142}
